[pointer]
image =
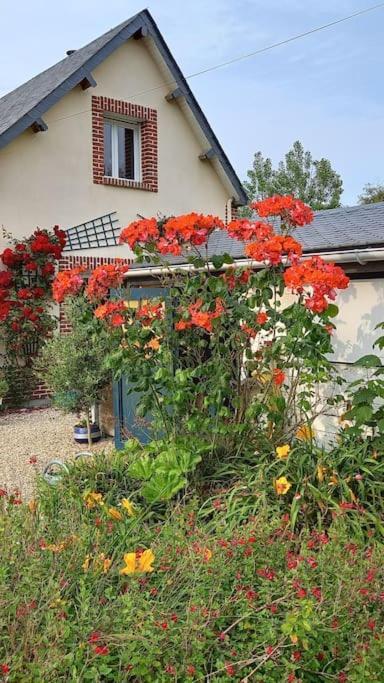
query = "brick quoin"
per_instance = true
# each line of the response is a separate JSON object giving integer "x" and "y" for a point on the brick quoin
{"x": 147, "y": 118}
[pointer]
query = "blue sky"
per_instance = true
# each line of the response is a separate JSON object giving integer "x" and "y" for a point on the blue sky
{"x": 326, "y": 89}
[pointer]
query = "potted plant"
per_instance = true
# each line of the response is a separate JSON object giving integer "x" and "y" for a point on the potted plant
{"x": 73, "y": 367}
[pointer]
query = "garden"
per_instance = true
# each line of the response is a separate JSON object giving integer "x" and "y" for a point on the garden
{"x": 236, "y": 543}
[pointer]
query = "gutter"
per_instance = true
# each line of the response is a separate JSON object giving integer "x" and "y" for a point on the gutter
{"x": 361, "y": 256}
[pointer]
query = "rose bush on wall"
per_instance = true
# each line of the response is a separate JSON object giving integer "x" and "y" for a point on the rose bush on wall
{"x": 25, "y": 294}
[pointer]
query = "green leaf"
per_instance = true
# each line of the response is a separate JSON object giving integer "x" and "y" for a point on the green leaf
{"x": 162, "y": 487}
{"x": 361, "y": 414}
{"x": 379, "y": 342}
{"x": 217, "y": 261}
{"x": 141, "y": 468}
{"x": 369, "y": 361}
{"x": 332, "y": 311}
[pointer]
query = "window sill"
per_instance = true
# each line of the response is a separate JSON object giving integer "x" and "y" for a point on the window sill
{"x": 132, "y": 184}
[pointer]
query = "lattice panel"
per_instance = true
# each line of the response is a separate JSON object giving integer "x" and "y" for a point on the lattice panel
{"x": 98, "y": 232}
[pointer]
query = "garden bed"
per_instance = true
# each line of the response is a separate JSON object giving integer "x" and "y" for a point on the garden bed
{"x": 45, "y": 434}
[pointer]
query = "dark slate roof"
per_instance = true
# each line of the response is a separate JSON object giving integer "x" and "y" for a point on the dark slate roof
{"x": 20, "y": 108}
{"x": 350, "y": 227}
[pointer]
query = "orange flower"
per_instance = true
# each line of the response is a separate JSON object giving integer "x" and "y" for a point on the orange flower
{"x": 67, "y": 283}
{"x": 243, "y": 229}
{"x": 273, "y": 249}
{"x": 140, "y": 232}
{"x": 104, "y": 278}
{"x": 292, "y": 211}
{"x": 282, "y": 486}
{"x": 320, "y": 277}
{"x": 115, "y": 514}
{"x": 278, "y": 376}
{"x": 261, "y": 318}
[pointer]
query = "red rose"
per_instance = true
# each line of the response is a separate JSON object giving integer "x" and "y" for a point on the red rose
{"x": 31, "y": 266}
{"x": 9, "y": 258}
{"x": 48, "y": 269}
{"x": 5, "y": 278}
{"x": 5, "y": 307}
{"x": 38, "y": 292}
{"x": 24, "y": 294}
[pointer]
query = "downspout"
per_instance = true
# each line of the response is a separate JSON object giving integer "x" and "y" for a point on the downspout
{"x": 228, "y": 211}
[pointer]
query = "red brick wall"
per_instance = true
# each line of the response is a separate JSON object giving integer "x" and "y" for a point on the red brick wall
{"x": 147, "y": 117}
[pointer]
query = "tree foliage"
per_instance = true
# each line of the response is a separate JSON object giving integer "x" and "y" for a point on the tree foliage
{"x": 313, "y": 181}
{"x": 372, "y": 194}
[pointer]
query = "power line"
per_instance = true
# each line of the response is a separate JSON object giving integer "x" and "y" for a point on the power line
{"x": 246, "y": 55}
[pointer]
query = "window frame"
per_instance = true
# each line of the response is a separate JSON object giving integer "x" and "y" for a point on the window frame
{"x": 135, "y": 126}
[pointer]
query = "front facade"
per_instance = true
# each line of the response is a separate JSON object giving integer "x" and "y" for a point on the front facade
{"x": 111, "y": 131}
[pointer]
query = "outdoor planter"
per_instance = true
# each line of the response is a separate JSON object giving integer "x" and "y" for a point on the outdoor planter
{"x": 80, "y": 433}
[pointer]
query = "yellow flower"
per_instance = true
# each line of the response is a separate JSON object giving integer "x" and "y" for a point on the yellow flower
{"x": 283, "y": 451}
{"x": 85, "y": 565}
{"x": 207, "y": 554}
{"x": 136, "y": 563}
{"x": 282, "y": 486}
{"x": 320, "y": 472}
{"x": 32, "y": 506}
{"x": 55, "y": 547}
{"x": 106, "y": 565}
{"x": 103, "y": 563}
{"x": 115, "y": 514}
{"x": 91, "y": 499}
{"x": 128, "y": 506}
{"x": 305, "y": 433}
{"x": 59, "y": 602}
{"x": 333, "y": 480}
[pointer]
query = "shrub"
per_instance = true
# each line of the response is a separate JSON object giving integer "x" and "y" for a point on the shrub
{"x": 225, "y": 356}
{"x": 206, "y": 597}
{"x": 73, "y": 364}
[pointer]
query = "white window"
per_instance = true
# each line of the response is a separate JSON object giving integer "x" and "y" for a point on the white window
{"x": 122, "y": 150}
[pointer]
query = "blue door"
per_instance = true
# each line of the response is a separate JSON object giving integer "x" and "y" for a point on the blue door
{"x": 127, "y": 425}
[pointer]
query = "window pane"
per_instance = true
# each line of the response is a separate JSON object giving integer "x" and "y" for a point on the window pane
{"x": 126, "y": 153}
{"x": 107, "y": 149}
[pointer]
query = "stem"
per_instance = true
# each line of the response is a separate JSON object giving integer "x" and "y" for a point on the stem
{"x": 88, "y": 427}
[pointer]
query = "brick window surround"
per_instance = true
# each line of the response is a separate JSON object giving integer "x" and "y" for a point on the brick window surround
{"x": 149, "y": 162}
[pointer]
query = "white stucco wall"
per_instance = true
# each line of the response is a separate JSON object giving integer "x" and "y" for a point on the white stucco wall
{"x": 46, "y": 178}
{"x": 361, "y": 308}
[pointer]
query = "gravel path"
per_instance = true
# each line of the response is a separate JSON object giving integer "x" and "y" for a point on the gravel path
{"x": 44, "y": 433}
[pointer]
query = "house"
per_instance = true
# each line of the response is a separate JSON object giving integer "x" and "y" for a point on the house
{"x": 110, "y": 132}
{"x": 352, "y": 237}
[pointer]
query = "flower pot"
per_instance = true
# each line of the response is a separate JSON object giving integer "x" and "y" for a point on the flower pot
{"x": 80, "y": 433}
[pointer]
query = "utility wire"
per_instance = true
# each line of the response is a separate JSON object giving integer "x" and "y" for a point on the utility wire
{"x": 247, "y": 55}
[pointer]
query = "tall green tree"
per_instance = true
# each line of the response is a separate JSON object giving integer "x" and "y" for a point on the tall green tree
{"x": 313, "y": 181}
{"x": 372, "y": 194}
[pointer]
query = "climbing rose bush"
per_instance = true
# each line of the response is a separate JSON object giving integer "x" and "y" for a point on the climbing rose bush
{"x": 26, "y": 288}
{"x": 233, "y": 353}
